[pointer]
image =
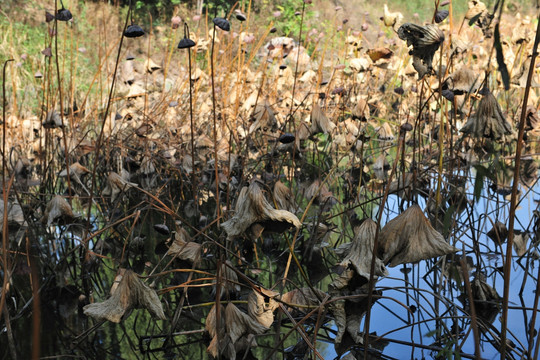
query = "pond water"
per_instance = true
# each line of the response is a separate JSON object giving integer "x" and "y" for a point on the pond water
{"x": 425, "y": 309}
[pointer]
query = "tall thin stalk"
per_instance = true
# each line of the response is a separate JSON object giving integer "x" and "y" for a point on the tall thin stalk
{"x": 214, "y": 119}
{"x": 192, "y": 130}
{"x": 61, "y": 100}
{"x": 513, "y": 199}
{"x": 105, "y": 116}
{"x": 5, "y": 190}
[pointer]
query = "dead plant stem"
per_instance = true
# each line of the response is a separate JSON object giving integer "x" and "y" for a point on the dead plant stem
{"x": 513, "y": 199}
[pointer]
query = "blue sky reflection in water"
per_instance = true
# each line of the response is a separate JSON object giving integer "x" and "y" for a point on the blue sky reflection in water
{"x": 431, "y": 295}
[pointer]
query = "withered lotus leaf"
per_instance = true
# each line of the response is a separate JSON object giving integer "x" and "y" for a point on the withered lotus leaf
{"x": 304, "y": 297}
{"x": 240, "y": 324}
{"x": 379, "y": 53}
{"x": 264, "y": 116}
{"x": 348, "y": 314}
{"x": 385, "y": 132}
{"x": 498, "y": 232}
{"x": 253, "y": 208}
{"x": 185, "y": 249}
{"x": 151, "y": 66}
{"x": 520, "y": 243}
{"x": 481, "y": 291}
{"x": 393, "y": 19}
{"x": 76, "y": 171}
{"x": 235, "y": 333}
{"x": 221, "y": 342}
{"x": 489, "y": 120}
{"x": 425, "y": 40}
{"x": 359, "y": 64}
{"x": 115, "y": 185}
{"x": 228, "y": 281}
{"x": 53, "y": 120}
{"x": 532, "y": 120}
{"x": 284, "y": 197}
{"x": 520, "y": 78}
{"x": 409, "y": 238}
{"x": 57, "y": 208}
{"x": 360, "y": 252}
{"x": 14, "y": 213}
{"x": 131, "y": 293}
{"x": 476, "y": 8}
{"x": 464, "y": 80}
{"x": 320, "y": 122}
{"x": 261, "y": 306}
{"x": 320, "y": 192}
{"x": 361, "y": 111}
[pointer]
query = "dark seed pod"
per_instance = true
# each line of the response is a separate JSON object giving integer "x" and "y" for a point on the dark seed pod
{"x": 133, "y": 31}
{"x": 162, "y": 229}
{"x": 64, "y": 15}
{"x": 441, "y": 15}
{"x": 338, "y": 91}
{"x": 47, "y": 52}
{"x": 406, "y": 127}
{"x": 48, "y": 17}
{"x": 186, "y": 43}
{"x": 448, "y": 95}
{"x": 222, "y": 23}
{"x": 273, "y": 30}
{"x": 240, "y": 16}
{"x": 399, "y": 90}
{"x": 287, "y": 138}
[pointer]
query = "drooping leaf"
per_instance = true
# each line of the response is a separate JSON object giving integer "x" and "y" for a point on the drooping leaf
{"x": 474, "y": 18}
{"x": 479, "y": 182}
{"x": 500, "y": 58}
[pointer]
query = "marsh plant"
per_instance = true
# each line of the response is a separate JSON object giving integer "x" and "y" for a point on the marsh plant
{"x": 253, "y": 180}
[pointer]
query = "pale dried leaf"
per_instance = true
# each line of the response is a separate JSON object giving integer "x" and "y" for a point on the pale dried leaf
{"x": 261, "y": 307}
{"x": 131, "y": 293}
{"x": 252, "y": 208}
{"x": 409, "y": 238}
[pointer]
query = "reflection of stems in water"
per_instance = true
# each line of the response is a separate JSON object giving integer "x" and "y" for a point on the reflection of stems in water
{"x": 513, "y": 199}
{"x": 474, "y": 324}
{"x": 371, "y": 283}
